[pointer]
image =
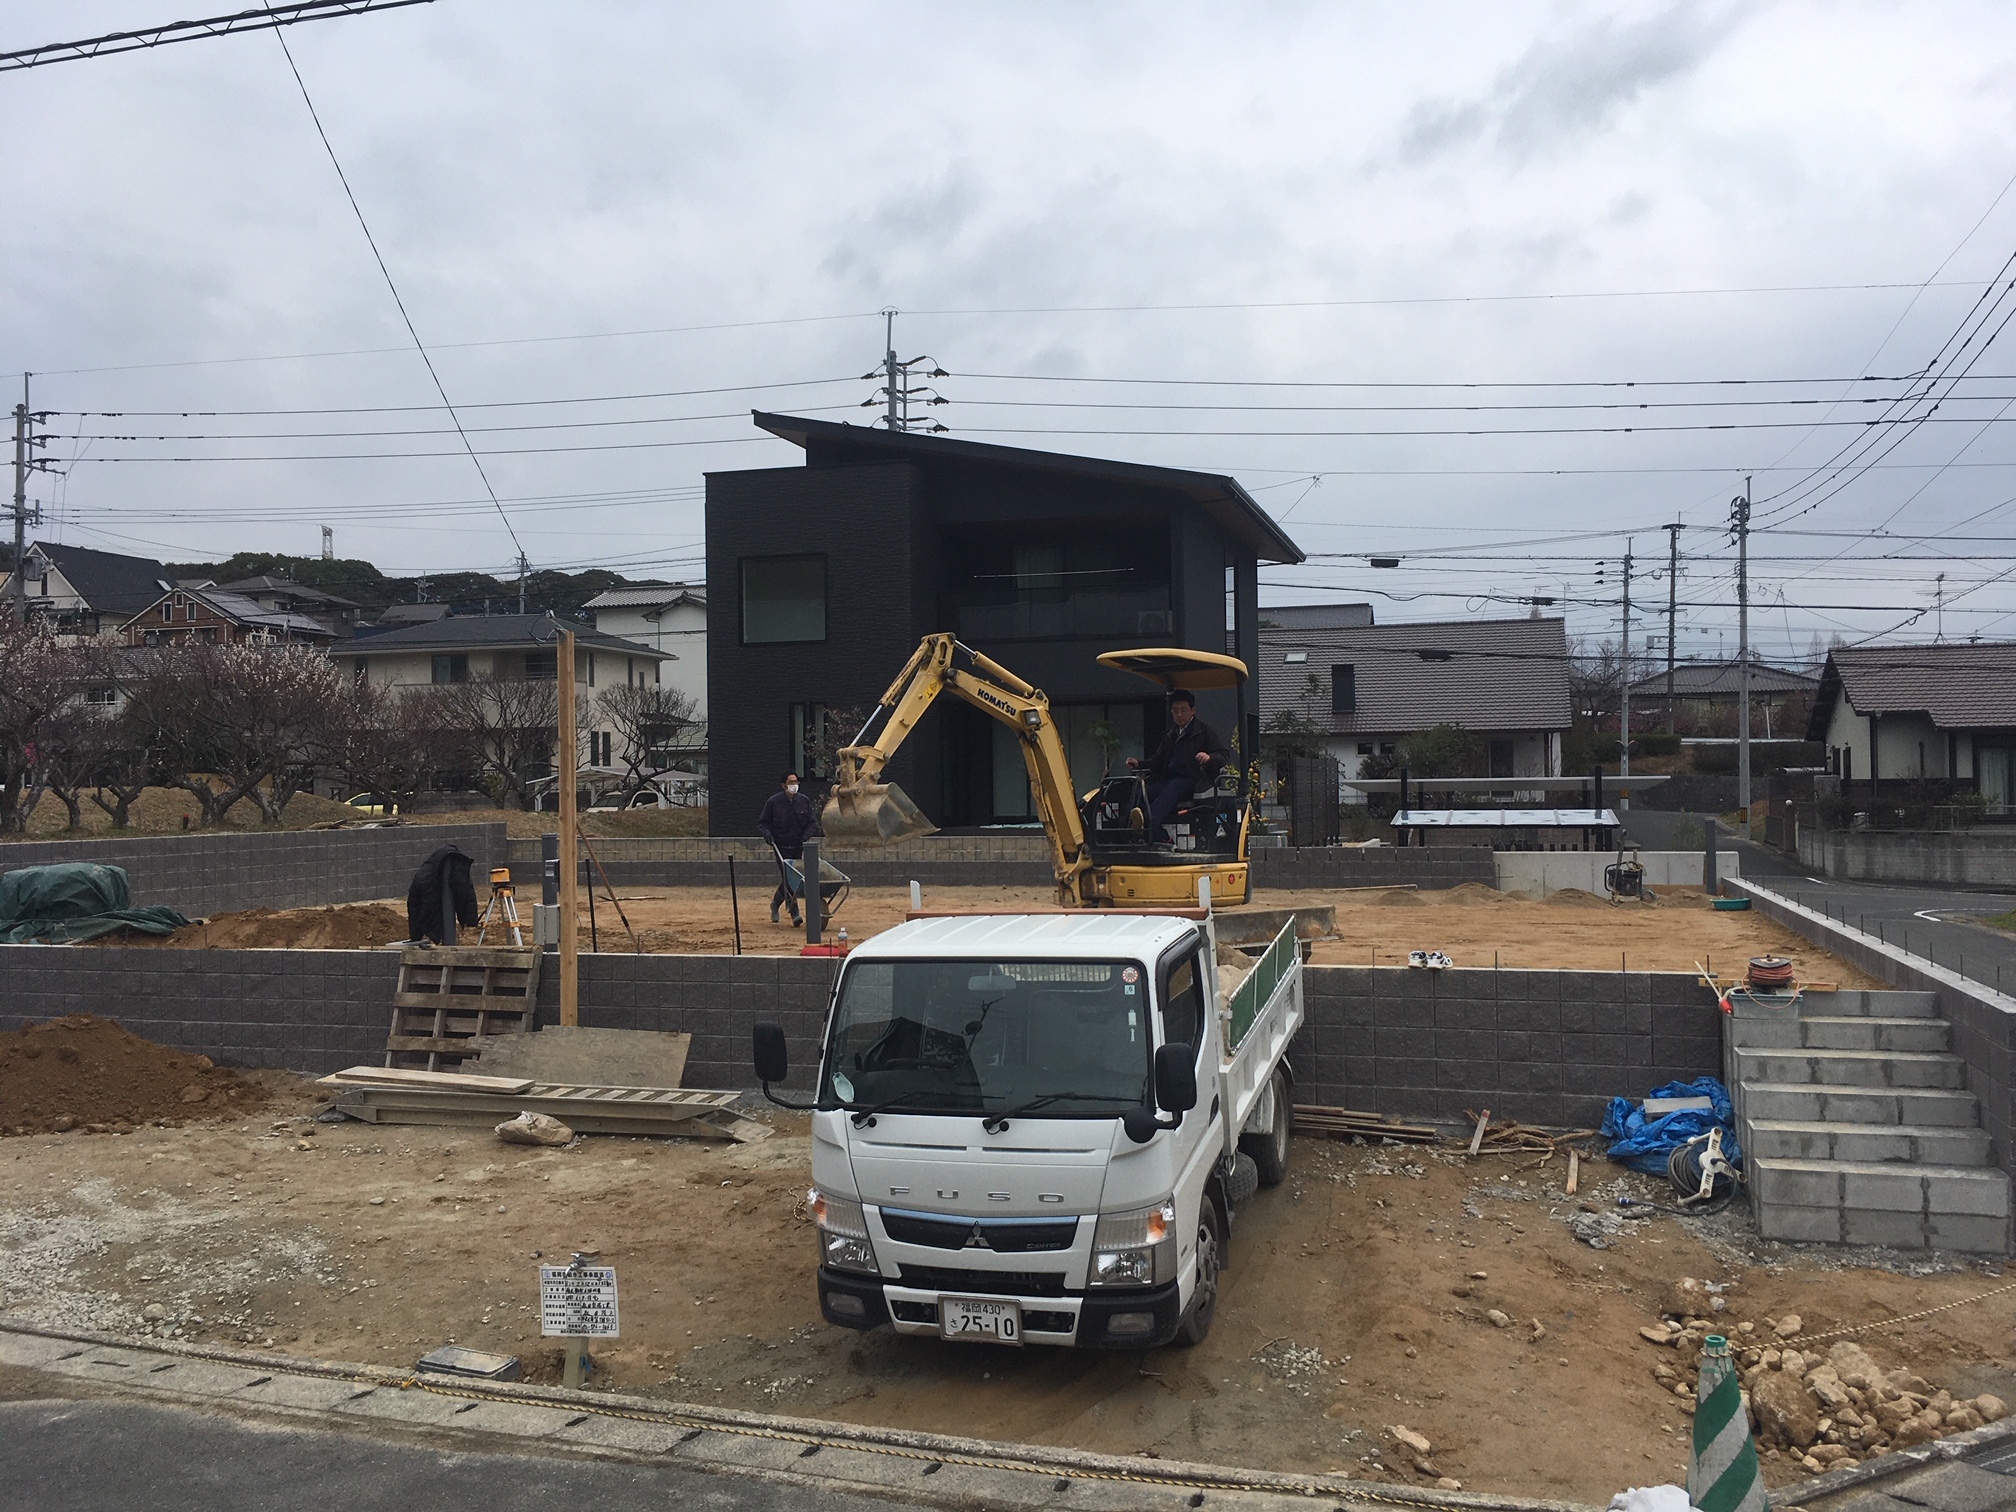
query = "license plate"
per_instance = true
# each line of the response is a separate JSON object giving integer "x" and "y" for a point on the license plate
{"x": 980, "y": 1320}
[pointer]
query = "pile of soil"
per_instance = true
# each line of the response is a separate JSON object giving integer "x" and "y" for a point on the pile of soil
{"x": 340, "y": 926}
{"x": 89, "y": 1073}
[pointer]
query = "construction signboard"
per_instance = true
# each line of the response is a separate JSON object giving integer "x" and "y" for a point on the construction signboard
{"x": 577, "y": 1301}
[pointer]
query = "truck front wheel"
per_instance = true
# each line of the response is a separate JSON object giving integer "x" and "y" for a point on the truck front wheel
{"x": 1270, "y": 1148}
{"x": 1196, "y": 1321}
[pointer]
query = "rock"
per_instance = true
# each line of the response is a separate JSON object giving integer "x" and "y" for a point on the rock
{"x": 377, "y": 1202}
{"x": 1663, "y": 1372}
{"x": 1962, "y": 1418}
{"x": 1812, "y": 1465}
{"x": 1448, "y": 1483}
{"x": 1746, "y": 1328}
{"x": 1539, "y": 1330}
{"x": 1498, "y": 1319}
{"x": 1829, "y": 1454}
{"x": 1480, "y": 1275}
{"x": 1921, "y": 1429}
{"x": 1686, "y": 1298}
{"x": 154, "y": 1312}
{"x": 1792, "y": 1362}
{"x": 1892, "y": 1416}
{"x": 63, "y": 1123}
{"x": 1941, "y": 1400}
{"x": 1658, "y": 1333}
{"x": 1992, "y": 1408}
{"x": 194, "y": 1093}
{"x": 1786, "y": 1326}
{"x": 1825, "y": 1384}
{"x": 1904, "y": 1382}
{"x": 1406, "y": 1436}
{"x": 534, "y": 1129}
{"x": 1770, "y": 1358}
{"x": 1852, "y": 1363}
{"x": 1786, "y": 1409}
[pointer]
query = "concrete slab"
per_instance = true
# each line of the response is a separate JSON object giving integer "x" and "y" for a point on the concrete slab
{"x": 1955, "y": 1487}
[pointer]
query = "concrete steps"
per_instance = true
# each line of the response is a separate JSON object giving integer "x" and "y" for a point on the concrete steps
{"x": 1857, "y": 1125}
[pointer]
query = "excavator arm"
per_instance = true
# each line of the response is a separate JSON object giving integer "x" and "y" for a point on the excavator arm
{"x": 863, "y": 808}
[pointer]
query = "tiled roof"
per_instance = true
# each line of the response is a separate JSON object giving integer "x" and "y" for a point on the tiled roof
{"x": 1722, "y": 679}
{"x": 1481, "y": 674}
{"x": 461, "y": 632}
{"x": 646, "y": 596}
{"x": 1960, "y": 687}
{"x": 301, "y": 591}
{"x": 108, "y": 582}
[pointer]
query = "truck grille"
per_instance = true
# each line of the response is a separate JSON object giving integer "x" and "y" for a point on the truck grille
{"x": 1004, "y": 1237}
{"x": 946, "y": 1278}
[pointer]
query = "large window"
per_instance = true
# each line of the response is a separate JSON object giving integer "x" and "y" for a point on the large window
{"x": 1038, "y": 584}
{"x": 452, "y": 668}
{"x": 783, "y": 599}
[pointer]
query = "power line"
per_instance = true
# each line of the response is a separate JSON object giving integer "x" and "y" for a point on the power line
{"x": 379, "y": 258}
{"x": 269, "y": 17}
{"x": 400, "y": 409}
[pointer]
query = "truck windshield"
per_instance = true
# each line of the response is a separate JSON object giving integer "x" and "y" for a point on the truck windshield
{"x": 1070, "y": 1037}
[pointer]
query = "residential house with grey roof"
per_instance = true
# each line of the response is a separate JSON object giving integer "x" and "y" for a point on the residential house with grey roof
{"x": 668, "y": 617}
{"x": 1367, "y": 687}
{"x": 1895, "y": 714}
{"x": 1706, "y": 696}
{"x": 83, "y": 593}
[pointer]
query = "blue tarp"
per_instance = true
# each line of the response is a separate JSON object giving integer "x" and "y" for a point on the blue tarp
{"x": 1644, "y": 1143}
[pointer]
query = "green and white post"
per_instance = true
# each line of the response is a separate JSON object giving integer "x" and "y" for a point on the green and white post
{"x": 1722, "y": 1474}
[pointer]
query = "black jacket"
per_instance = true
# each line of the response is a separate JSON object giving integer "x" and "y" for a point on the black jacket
{"x": 787, "y": 820}
{"x": 446, "y": 870}
{"x": 1176, "y": 756}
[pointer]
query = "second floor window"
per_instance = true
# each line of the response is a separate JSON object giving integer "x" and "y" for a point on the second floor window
{"x": 447, "y": 669}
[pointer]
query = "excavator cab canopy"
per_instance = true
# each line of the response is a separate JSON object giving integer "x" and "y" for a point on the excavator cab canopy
{"x": 1174, "y": 667}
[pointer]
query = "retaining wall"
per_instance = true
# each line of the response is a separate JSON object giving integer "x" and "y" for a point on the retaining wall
{"x": 223, "y": 871}
{"x": 1961, "y": 858}
{"x": 1549, "y": 871}
{"x": 1010, "y": 861}
{"x": 1538, "y": 1046}
{"x": 1983, "y": 1020}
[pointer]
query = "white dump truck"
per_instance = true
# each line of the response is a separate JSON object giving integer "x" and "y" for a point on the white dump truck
{"x": 1037, "y": 1128}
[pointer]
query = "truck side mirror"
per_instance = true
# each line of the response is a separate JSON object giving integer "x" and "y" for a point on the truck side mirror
{"x": 1176, "y": 1078}
{"x": 773, "y": 1057}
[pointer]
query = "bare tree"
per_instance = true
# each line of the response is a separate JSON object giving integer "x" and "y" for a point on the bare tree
{"x": 36, "y": 678}
{"x": 389, "y": 741}
{"x": 78, "y": 740}
{"x": 507, "y": 726}
{"x": 646, "y": 719}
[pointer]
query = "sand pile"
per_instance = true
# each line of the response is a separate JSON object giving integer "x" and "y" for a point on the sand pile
{"x": 83, "y": 1072}
{"x": 341, "y": 926}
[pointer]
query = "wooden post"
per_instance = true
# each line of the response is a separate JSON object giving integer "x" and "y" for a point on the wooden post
{"x": 575, "y": 1366}
{"x": 570, "y": 846}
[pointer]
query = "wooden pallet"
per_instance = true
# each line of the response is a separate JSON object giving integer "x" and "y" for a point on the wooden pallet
{"x": 451, "y": 998}
{"x": 362, "y": 1093}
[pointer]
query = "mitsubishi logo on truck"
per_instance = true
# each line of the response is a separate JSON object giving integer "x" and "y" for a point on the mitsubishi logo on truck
{"x": 977, "y": 1239}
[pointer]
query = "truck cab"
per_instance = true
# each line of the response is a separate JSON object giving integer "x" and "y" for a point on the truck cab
{"x": 1027, "y": 1128}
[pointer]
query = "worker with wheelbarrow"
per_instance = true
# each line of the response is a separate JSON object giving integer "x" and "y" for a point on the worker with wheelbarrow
{"x": 788, "y": 819}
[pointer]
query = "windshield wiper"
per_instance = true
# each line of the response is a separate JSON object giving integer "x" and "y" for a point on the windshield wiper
{"x": 864, "y": 1117}
{"x": 996, "y": 1123}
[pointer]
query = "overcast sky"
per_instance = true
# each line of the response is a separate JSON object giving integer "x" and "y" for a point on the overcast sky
{"x": 584, "y": 200}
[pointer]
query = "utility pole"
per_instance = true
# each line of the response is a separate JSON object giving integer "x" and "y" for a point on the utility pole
{"x": 521, "y": 582}
{"x": 25, "y": 462}
{"x": 898, "y": 391}
{"x": 570, "y": 845}
{"x": 1939, "y": 601}
{"x": 1672, "y": 616}
{"x": 1740, "y": 512}
{"x": 1624, "y": 717}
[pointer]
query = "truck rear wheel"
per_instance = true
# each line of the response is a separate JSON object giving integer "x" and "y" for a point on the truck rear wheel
{"x": 1203, "y": 1307}
{"x": 1270, "y": 1149}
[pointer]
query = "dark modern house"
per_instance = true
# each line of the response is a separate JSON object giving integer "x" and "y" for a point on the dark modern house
{"x": 821, "y": 580}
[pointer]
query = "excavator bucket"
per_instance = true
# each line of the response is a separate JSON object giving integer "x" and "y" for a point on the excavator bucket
{"x": 873, "y": 813}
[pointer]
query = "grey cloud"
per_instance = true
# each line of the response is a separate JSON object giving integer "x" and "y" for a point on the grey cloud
{"x": 1568, "y": 84}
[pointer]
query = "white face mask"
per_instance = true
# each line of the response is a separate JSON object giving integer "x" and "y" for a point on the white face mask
{"x": 791, "y": 787}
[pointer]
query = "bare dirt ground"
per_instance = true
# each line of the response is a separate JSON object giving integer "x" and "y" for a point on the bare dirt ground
{"x": 1474, "y": 925}
{"x": 1359, "y": 1296}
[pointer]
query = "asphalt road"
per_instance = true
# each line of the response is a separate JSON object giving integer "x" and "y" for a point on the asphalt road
{"x": 84, "y": 1456}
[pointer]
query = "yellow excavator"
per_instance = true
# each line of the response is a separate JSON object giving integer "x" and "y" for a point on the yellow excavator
{"x": 1100, "y": 849}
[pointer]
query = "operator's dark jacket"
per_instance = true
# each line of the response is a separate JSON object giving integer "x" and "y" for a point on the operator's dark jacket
{"x": 447, "y": 870}
{"x": 787, "y": 820}
{"x": 1177, "y": 755}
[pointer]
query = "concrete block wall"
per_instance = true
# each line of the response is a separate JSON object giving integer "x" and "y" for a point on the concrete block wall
{"x": 1379, "y": 866}
{"x": 224, "y": 871}
{"x": 1983, "y": 1020}
{"x": 1981, "y": 857}
{"x": 1547, "y": 1047}
{"x": 1546, "y": 872}
{"x": 1538, "y": 1046}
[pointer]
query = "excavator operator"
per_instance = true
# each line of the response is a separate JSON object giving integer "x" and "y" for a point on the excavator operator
{"x": 1189, "y": 758}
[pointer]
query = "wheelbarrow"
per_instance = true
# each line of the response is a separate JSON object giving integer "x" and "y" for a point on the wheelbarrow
{"x": 834, "y": 884}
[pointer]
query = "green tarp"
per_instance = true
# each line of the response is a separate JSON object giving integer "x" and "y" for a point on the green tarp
{"x": 77, "y": 900}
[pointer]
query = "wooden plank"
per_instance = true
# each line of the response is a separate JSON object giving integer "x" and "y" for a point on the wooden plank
{"x": 1574, "y": 1171}
{"x": 401, "y": 1076}
{"x": 468, "y": 955}
{"x": 1477, "y": 1139}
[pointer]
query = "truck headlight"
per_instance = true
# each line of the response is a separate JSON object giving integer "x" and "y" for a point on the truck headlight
{"x": 843, "y": 1233}
{"x": 1136, "y": 1247}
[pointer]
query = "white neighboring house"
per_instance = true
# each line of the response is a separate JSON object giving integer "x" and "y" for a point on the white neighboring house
{"x": 511, "y": 647}
{"x": 668, "y": 617}
{"x": 81, "y": 593}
